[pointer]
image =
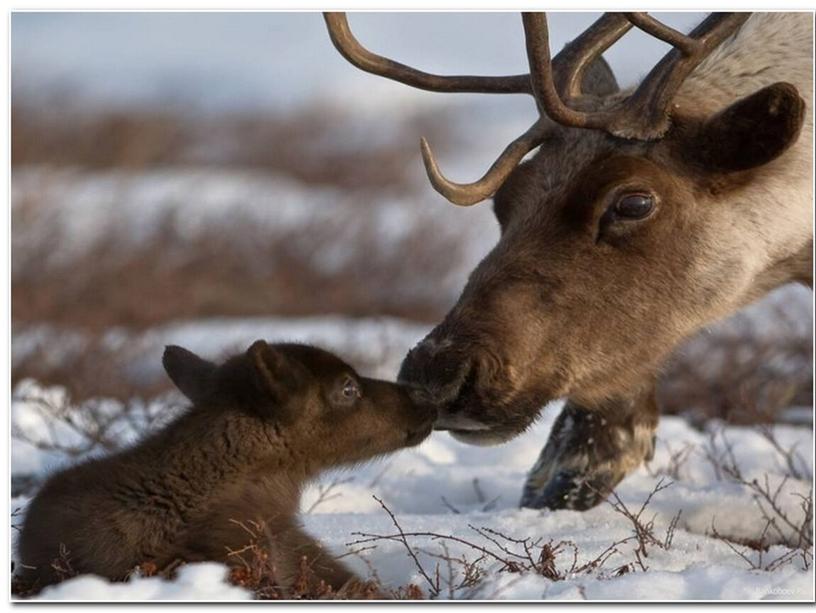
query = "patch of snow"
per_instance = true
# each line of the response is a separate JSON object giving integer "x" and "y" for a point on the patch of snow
{"x": 200, "y": 581}
{"x": 444, "y": 486}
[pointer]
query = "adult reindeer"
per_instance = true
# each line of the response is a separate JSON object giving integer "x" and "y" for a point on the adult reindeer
{"x": 643, "y": 216}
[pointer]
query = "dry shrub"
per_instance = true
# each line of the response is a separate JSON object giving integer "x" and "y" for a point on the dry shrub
{"x": 643, "y": 530}
{"x": 464, "y": 576}
{"x": 55, "y": 135}
{"x": 94, "y": 369}
{"x": 794, "y": 533}
{"x": 313, "y": 144}
{"x": 739, "y": 375}
{"x": 236, "y": 271}
{"x": 317, "y": 146}
{"x": 64, "y": 426}
{"x": 233, "y": 270}
{"x": 253, "y": 569}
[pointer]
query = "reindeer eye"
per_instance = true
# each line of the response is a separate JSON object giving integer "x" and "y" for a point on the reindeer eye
{"x": 634, "y": 206}
{"x": 350, "y": 389}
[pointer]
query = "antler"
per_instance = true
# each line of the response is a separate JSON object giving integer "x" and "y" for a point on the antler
{"x": 458, "y": 193}
{"x": 644, "y": 115}
{"x": 467, "y": 194}
{"x": 573, "y": 60}
{"x": 350, "y": 48}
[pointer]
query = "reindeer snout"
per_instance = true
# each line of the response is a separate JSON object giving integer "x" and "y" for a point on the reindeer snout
{"x": 434, "y": 371}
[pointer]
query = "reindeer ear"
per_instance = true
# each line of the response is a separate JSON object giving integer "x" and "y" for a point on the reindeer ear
{"x": 599, "y": 80}
{"x": 191, "y": 374}
{"x": 278, "y": 376}
{"x": 754, "y": 130}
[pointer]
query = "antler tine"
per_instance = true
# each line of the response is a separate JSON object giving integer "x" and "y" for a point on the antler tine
{"x": 652, "y": 26}
{"x": 541, "y": 76}
{"x": 573, "y": 60}
{"x": 645, "y": 115}
{"x": 468, "y": 194}
{"x": 604, "y": 32}
{"x": 350, "y": 48}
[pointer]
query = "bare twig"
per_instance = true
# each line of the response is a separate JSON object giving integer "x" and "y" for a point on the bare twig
{"x": 462, "y": 577}
{"x": 449, "y": 506}
{"x": 644, "y": 530}
{"x": 677, "y": 459}
{"x": 432, "y": 585}
{"x": 795, "y": 464}
{"x": 760, "y": 546}
{"x": 667, "y": 542}
{"x": 480, "y": 497}
{"x": 327, "y": 492}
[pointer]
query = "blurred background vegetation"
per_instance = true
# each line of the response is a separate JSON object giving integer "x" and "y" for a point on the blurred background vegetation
{"x": 179, "y": 167}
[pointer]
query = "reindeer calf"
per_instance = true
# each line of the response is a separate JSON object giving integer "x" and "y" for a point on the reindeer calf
{"x": 261, "y": 425}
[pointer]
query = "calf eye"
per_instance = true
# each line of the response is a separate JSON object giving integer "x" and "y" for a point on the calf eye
{"x": 345, "y": 392}
{"x": 634, "y": 206}
{"x": 350, "y": 389}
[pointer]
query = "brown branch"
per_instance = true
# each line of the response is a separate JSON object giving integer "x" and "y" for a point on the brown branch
{"x": 514, "y": 555}
{"x": 433, "y": 587}
{"x": 325, "y": 492}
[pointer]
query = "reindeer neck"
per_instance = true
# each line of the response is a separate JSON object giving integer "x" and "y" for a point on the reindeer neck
{"x": 193, "y": 461}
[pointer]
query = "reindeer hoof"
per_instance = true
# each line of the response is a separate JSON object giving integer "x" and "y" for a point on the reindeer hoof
{"x": 567, "y": 490}
{"x": 584, "y": 459}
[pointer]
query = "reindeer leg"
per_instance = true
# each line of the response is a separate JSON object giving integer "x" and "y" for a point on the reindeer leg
{"x": 309, "y": 562}
{"x": 589, "y": 452}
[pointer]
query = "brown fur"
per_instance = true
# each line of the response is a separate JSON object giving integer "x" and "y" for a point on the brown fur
{"x": 575, "y": 301}
{"x": 261, "y": 426}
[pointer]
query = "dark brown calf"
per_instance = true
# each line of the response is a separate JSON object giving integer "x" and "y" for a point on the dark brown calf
{"x": 261, "y": 426}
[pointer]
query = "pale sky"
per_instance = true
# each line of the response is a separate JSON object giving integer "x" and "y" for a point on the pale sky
{"x": 275, "y": 59}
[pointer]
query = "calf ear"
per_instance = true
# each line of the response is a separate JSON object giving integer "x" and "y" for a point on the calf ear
{"x": 191, "y": 374}
{"x": 754, "y": 130}
{"x": 278, "y": 376}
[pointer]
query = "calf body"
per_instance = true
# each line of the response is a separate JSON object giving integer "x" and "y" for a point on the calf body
{"x": 226, "y": 473}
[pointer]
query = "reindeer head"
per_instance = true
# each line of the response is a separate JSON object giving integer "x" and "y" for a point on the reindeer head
{"x": 621, "y": 236}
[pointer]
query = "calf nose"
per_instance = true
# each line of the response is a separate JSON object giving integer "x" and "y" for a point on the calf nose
{"x": 435, "y": 371}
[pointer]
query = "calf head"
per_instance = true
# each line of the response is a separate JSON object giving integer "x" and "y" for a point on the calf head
{"x": 310, "y": 400}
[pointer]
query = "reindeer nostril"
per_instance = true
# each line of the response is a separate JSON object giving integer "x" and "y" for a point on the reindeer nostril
{"x": 436, "y": 370}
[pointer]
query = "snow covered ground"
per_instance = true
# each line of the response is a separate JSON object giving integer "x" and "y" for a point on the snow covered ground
{"x": 451, "y": 489}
